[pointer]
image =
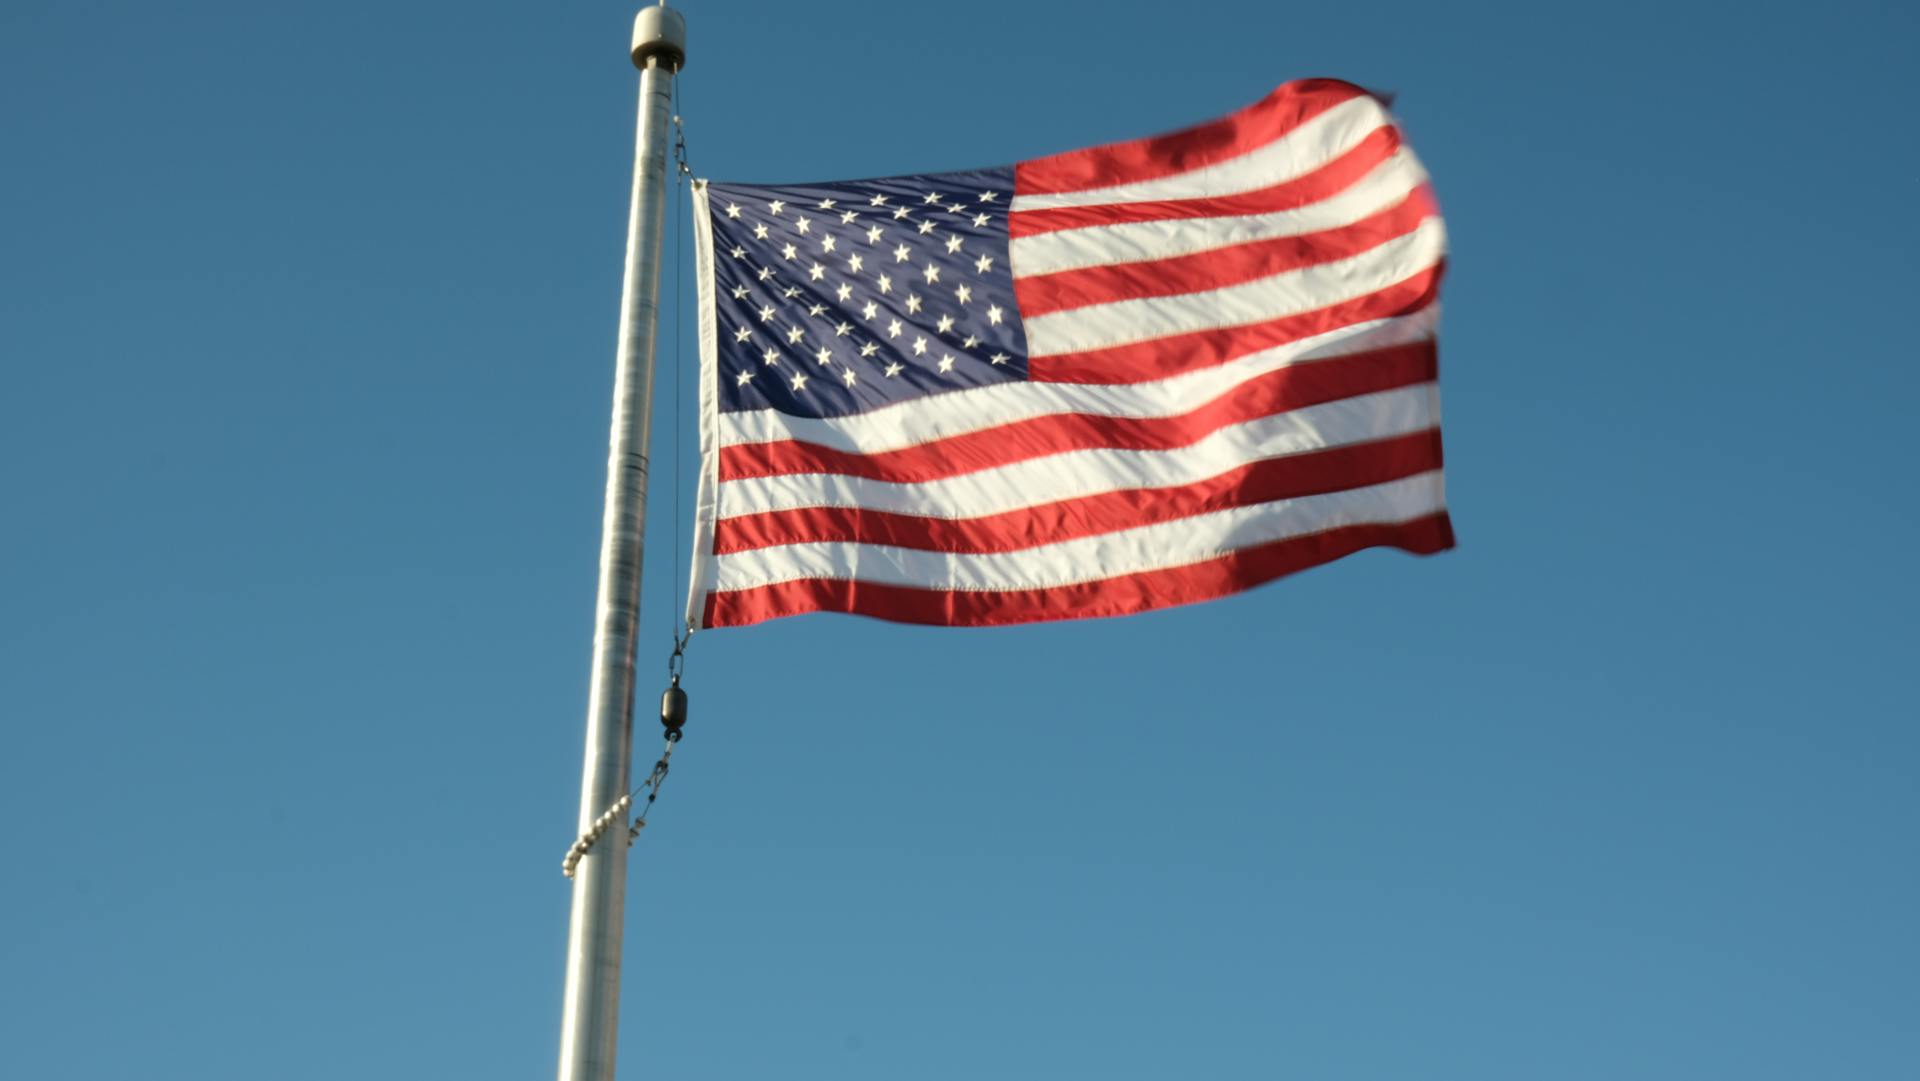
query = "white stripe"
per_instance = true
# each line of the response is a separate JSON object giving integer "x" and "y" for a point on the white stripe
{"x": 1076, "y": 473}
{"x": 942, "y": 416}
{"x": 1085, "y": 559}
{"x": 1102, "y": 326}
{"x": 1298, "y": 152}
{"x": 1135, "y": 241}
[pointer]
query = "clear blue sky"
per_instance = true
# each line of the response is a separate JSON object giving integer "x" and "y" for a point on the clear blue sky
{"x": 307, "y": 318}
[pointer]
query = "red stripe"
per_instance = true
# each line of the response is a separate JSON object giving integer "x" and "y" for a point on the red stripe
{"x": 1292, "y": 387}
{"x": 1325, "y": 182}
{"x": 1289, "y": 477}
{"x": 1142, "y": 362}
{"x": 1165, "y": 588}
{"x": 1288, "y": 107}
{"x": 1220, "y": 267}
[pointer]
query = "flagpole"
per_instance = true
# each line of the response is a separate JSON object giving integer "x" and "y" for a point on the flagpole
{"x": 590, "y": 1020}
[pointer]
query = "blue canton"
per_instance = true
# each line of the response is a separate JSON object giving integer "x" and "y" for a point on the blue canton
{"x": 831, "y": 299}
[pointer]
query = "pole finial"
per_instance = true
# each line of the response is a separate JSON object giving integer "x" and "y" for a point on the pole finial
{"x": 659, "y": 32}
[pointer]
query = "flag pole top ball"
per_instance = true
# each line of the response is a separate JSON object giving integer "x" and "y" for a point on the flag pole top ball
{"x": 659, "y": 31}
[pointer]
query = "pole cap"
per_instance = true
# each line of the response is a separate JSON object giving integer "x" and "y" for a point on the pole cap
{"x": 659, "y": 31}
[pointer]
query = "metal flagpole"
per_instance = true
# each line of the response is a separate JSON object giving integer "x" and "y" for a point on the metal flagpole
{"x": 589, "y": 1026}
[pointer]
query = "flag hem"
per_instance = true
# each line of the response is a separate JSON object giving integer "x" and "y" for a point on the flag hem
{"x": 700, "y": 573}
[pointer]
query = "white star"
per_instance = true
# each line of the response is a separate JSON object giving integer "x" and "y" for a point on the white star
{"x": 842, "y": 329}
{"x": 994, "y": 313}
{"x": 970, "y": 342}
{"x": 777, "y": 205}
{"x": 854, "y": 263}
{"x": 901, "y": 213}
{"x": 826, "y": 204}
{"x": 946, "y": 362}
{"x": 794, "y": 334}
{"x": 770, "y": 357}
{"x": 980, "y": 220}
{"x": 913, "y": 303}
{"x": 902, "y": 253}
{"x": 847, "y": 216}
{"x": 956, "y": 208}
{"x": 893, "y": 369}
{"x": 919, "y": 347}
{"x": 766, "y": 312}
{"x": 932, "y": 197}
{"x": 827, "y": 243}
{"x": 869, "y": 310}
{"x": 869, "y": 349}
{"x": 1000, "y": 358}
{"x": 843, "y": 292}
{"x": 788, "y": 251}
{"x": 799, "y": 380}
{"x": 926, "y": 227}
{"x": 759, "y": 230}
{"x": 745, "y": 377}
{"x": 946, "y": 323}
{"x": 817, "y": 310}
{"x": 953, "y": 244}
{"x": 983, "y": 264}
{"x": 738, "y": 252}
{"x": 886, "y": 284}
{"x": 733, "y": 210}
{"x": 932, "y": 272}
{"x": 893, "y": 328}
{"x": 803, "y": 224}
{"x": 873, "y": 235}
{"x": 823, "y": 355}
{"x": 989, "y": 196}
{"x": 739, "y": 292}
{"x": 816, "y": 273}
{"x": 964, "y": 292}
{"x": 847, "y": 376}
{"x": 792, "y": 291}
{"x": 878, "y": 200}
{"x": 742, "y": 334}
{"x": 766, "y": 272}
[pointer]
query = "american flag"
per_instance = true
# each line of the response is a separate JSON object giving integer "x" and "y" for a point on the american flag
{"x": 1111, "y": 380}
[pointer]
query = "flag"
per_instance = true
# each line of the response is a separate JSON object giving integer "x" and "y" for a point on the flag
{"x": 1110, "y": 380}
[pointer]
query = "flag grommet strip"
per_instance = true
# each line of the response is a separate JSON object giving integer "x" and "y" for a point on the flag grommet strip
{"x": 706, "y": 497}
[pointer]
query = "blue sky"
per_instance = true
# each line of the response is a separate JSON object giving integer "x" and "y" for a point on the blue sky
{"x": 307, "y": 317}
